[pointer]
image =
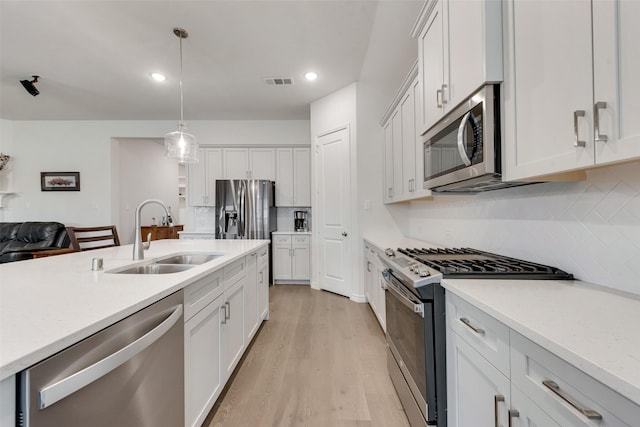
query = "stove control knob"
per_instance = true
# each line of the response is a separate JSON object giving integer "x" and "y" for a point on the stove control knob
{"x": 423, "y": 272}
{"x": 389, "y": 252}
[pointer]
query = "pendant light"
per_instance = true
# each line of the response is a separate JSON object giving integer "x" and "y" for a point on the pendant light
{"x": 181, "y": 145}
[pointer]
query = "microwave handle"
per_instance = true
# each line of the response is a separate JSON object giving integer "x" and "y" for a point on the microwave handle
{"x": 462, "y": 129}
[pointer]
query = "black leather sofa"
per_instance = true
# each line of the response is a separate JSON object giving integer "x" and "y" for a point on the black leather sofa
{"x": 24, "y": 240}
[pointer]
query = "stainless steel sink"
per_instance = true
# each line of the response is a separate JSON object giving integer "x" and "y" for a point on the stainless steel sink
{"x": 188, "y": 259}
{"x": 155, "y": 269}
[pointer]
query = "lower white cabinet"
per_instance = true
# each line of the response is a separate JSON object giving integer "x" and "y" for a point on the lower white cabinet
{"x": 223, "y": 311}
{"x": 251, "y": 297}
{"x": 291, "y": 258}
{"x": 263, "y": 284}
{"x": 478, "y": 394}
{"x": 374, "y": 287}
{"x": 203, "y": 374}
{"x": 495, "y": 376}
{"x": 233, "y": 335}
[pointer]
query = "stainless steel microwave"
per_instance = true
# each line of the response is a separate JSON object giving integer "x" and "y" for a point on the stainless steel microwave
{"x": 462, "y": 152}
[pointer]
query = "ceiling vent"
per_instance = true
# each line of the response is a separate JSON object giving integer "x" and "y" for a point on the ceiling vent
{"x": 278, "y": 81}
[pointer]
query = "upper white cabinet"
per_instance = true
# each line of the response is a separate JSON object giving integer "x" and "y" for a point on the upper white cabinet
{"x": 249, "y": 163}
{"x": 201, "y": 178}
{"x": 459, "y": 50}
{"x": 403, "y": 158}
{"x": 570, "y": 96}
{"x": 293, "y": 176}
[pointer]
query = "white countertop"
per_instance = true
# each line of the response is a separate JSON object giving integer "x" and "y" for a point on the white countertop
{"x": 291, "y": 232}
{"x": 593, "y": 328}
{"x": 50, "y": 303}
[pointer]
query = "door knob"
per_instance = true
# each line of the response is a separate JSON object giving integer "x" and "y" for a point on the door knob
{"x": 344, "y": 233}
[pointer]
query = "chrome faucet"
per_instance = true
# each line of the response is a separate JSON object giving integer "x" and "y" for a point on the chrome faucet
{"x": 138, "y": 246}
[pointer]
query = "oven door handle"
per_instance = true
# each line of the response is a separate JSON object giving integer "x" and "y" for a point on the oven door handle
{"x": 395, "y": 289}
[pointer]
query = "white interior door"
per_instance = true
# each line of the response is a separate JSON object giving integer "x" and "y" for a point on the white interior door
{"x": 334, "y": 240}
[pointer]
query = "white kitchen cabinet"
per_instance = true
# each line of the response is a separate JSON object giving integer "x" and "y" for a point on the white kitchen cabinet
{"x": 459, "y": 50}
{"x": 478, "y": 394}
{"x": 486, "y": 359}
{"x": 201, "y": 177}
{"x": 249, "y": 163}
{"x": 218, "y": 310}
{"x": 203, "y": 377}
{"x": 552, "y": 384}
{"x": 528, "y": 413}
{"x": 403, "y": 156}
{"x": 293, "y": 176}
{"x": 579, "y": 116}
{"x": 251, "y": 297}
{"x": 291, "y": 258}
{"x": 263, "y": 284}
{"x": 233, "y": 333}
{"x": 374, "y": 288}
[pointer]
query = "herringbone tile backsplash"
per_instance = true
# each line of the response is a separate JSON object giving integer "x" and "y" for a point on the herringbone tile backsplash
{"x": 589, "y": 228}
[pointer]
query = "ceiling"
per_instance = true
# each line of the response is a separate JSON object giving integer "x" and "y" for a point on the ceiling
{"x": 94, "y": 57}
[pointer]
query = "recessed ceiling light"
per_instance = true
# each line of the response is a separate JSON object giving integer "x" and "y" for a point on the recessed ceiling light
{"x": 158, "y": 77}
{"x": 311, "y": 76}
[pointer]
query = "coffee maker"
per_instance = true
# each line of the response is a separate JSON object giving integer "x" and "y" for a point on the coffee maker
{"x": 300, "y": 220}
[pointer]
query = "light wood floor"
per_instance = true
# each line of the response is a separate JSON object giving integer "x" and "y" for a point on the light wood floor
{"x": 319, "y": 361}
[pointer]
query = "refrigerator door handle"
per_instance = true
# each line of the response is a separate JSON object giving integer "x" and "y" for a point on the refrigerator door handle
{"x": 69, "y": 385}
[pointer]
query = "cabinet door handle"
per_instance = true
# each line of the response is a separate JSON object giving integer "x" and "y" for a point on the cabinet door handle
{"x": 475, "y": 329}
{"x": 261, "y": 278}
{"x": 513, "y": 414}
{"x": 596, "y": 122}
{"x": 555, "y": 388}
{"x": 369, "y": 266}
{"x": 224, "y": 318}
{"x": 227, "y": 312}
{"x": 576, "y": 115}
{"x": 496, "y": 399}
{"x": 438, "y": 95}
{"x": 444, "y": 99}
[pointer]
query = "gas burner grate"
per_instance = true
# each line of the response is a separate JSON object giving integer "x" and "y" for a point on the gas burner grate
{"x": 472, "y": 263}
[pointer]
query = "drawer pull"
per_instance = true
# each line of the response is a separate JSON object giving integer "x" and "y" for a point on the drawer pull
{"x": 473, "y": 328}
{"x": 496, "y": 399}
{"x": 555, "y": 388}
{"x": 513, "y": 414}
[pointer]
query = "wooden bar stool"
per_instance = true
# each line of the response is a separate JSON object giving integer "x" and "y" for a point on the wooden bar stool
{"x": 88, "y": 238}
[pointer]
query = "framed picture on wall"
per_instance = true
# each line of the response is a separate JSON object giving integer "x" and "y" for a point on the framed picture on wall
{"x": 60, "y": 181}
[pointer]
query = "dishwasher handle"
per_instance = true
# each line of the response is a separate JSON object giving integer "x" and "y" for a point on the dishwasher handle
{"x": 69, "y": 385}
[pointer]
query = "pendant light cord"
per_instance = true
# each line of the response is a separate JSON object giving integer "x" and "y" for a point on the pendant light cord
{"x": 181, "y": 95}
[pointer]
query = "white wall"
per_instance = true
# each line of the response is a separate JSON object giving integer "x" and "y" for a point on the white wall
{"x": 590, "y": 228}
{"x": 142, "y": 162}
{"x": 333, "y": 112}
{"x": 389, "y": 58}
{"x": 87, "y": 147}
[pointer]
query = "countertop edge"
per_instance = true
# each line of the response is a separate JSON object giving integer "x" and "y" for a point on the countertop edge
{"x": 12, "y": 367}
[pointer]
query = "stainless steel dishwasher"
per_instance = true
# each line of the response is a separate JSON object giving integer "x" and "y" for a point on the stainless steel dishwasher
{"x": 129, "y": 374}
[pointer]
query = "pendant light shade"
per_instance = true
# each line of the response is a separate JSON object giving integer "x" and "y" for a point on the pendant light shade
{"x": 181, "y": 145}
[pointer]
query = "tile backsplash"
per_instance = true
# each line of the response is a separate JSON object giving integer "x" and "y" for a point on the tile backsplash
{"x": 285, "y": 218}
{"x": 589, "y": 228}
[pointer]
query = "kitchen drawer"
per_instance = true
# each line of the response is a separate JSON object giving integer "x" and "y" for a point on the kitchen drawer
{"x": 301, "y": 240}
{"x": 485, "y": 334}
{"x": 263, "y": 257}
{"x": 532, "y": 364}
{"x": 281, "y": 239}
{"x": 234, "y": 272}
{"x": 200, "y": 293}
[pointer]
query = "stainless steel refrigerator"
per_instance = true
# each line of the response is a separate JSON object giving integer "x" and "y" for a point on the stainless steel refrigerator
{"x": 245, "y": 209}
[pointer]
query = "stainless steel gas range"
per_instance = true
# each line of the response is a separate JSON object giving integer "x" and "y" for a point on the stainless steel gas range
{"x": 415, "y": 310}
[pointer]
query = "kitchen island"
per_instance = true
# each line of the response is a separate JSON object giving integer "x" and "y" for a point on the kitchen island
{"x": 51, "y": 303}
